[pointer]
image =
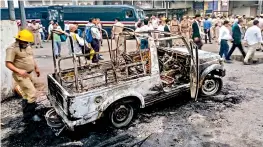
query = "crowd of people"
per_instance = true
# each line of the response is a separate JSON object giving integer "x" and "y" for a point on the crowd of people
{"x": 240, "y": 30}
{"x": 219, "y": 28}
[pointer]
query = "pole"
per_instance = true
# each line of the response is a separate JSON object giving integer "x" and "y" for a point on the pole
{"x": 11, "y": 10}
{"x": 260, "y": 7}
{"x": 166, "y": 10}
{"x": 22, "y": 13}
{"x": 74, "y": 2}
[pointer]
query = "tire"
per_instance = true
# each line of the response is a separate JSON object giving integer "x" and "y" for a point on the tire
{"x": 121, "y": 114}
{"x": 211, "y": 86}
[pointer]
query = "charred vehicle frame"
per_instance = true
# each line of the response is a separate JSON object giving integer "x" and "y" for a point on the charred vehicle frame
{"x": 118, "y": 87}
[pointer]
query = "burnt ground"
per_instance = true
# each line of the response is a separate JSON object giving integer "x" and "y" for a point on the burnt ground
{"x": 234, "y": 118}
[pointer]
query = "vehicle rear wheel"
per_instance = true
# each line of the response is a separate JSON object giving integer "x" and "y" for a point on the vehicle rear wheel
{"x": 121, "y": 114}
{"x": 211, "y": 86}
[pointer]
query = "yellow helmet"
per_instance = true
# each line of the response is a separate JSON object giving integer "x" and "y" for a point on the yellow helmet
{"x": 25, "y": 35}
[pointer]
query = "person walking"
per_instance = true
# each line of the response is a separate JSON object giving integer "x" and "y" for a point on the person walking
{"x": 41, "y": 31}
{"x": 95, "y": 44}
{"x": 37, "y": 38}
{"x": 253, "y": 38}
{"x": 185, "y": 28}
{"x": 196, "y": 34}
{"x": 20, "y": 60}
{"x": 57, "y": 41}
{"x": 223, "y": 38}
{"x": 99, "y": 25}
{"x": 236, "y": 35}
{"x": 207, "y": 28}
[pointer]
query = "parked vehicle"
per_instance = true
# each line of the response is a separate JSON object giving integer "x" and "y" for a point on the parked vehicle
{"x": 116, "y": 88}
{"x": 80, "y": 15}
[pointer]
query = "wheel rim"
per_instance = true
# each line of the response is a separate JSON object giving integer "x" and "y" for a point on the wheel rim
{"x": 121, "y": 115}
{"x": 210, "y": 87}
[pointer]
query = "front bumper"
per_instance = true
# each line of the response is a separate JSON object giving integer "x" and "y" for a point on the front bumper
{"x": 222, "y": 73}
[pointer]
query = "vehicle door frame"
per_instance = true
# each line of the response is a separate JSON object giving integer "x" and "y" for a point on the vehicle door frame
{"x": 194, "y": 69}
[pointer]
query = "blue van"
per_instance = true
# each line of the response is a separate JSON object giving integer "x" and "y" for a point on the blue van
{"x": 80, "y": 15}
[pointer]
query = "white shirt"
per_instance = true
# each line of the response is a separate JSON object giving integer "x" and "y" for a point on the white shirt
{"x": 95, "y": 32}
{"x": 160, "y": 28}
{"x": 50, "y": 27}
{"x": 224, "y": 33}
{"x": 144, "y": 28}
{"x": 66, "y": 27}
{"x": 253, "y": 35}
{"x": 155, "y": 23}
{"x": 41, "y": 28}
{"x": 76, "y": 42}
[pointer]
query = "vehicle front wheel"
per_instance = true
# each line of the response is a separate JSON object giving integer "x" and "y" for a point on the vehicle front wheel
{"x": 121, "y": 114}
{"x": 211, "y": 86}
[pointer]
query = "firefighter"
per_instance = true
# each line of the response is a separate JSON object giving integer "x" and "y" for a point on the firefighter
{"x": 20, "y": 60}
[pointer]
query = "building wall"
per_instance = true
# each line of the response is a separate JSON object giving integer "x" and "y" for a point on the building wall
{"x": 8, "y": 30}
{"x": 243, "y": 11}
{"x": 243, "y": 7}
{"x": 181, "y": 4}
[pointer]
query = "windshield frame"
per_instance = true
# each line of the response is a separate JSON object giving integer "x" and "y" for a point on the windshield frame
{"x": 140, "y": 14}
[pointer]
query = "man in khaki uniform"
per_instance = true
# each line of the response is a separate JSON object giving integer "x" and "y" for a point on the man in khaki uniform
{"x": 20, "y": 60}
{"x": 117, "y": 29}
{"x": 175, "y": 30}
{"x": 35, "y": 30}
{"x": 185, "y": 28}
{"x": 250, "y": 23}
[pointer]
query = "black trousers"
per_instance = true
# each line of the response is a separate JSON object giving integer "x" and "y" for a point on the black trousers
{"x": 240, "y": 47}
{"x": 199, "y": 43}
{"x": 207, "y": 33}
{"x": 95, "y": 44}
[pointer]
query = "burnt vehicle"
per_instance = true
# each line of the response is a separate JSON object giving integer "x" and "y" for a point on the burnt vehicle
{"x": 116, "y": 88}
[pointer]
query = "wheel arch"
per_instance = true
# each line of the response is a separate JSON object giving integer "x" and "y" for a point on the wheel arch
{"x": 216, "y": 69}
{"x": 133, "y": 98}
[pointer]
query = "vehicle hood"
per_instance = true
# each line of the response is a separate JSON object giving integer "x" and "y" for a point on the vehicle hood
{"x": 204, "y": 56}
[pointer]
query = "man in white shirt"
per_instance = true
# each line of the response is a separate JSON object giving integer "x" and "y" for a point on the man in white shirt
{"x": 224, "y": 36}
{"x": 95, "y": 44}
{"x": 144, "y": 36}
{"x": 41, "y": 31}
{"x": 253, "y": 38}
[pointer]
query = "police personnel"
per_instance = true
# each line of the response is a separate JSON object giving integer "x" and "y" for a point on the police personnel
{"x": 117, "y": 29}
{"x": 185, "y": 27}
{"x": 20, "y": 60}
{"x": 37, "y": 38}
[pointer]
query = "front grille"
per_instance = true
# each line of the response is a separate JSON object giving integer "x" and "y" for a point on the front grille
{"x": 55, "y": 91}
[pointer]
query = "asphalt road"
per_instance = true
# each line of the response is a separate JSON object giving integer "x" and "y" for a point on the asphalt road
{"x": 234, "y": 118}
